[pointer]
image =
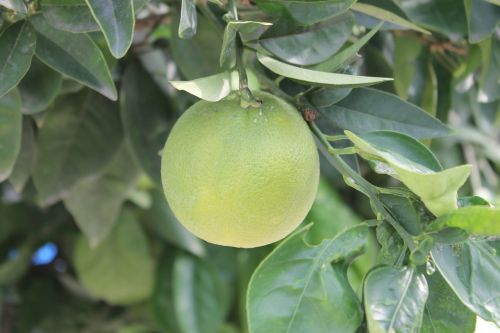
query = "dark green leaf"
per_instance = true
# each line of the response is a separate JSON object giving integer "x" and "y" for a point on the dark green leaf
{"x": 74, "y": 55}
{"x": 39, "y": 87}
{"x": 198, "y": 56}
{"x": 80, "y": 134}
{"x": 473, "y": 200}
{"x": 393, "y": 249}
{"x": 26, "y": 159}
{"x": 472, "y": 270}
{"x": 482, "y": 19}
{"x": 120, "y": 270}
{"x": 166, "y": 225}
{"x": 325, "y": 97}
{"x": 13, "y": 269}
{"x": 189, "y": 19}
{"x": 367, "y": 110}
{"x": 305, "y": 12}
{"x": 95, "y": 202}
{"x": 444, "y": 313}
{"x": 476, "y": 220}
{"x": 145, "y": 116}
{"x": 406, "y": 52}
{"x": 336, "y": 61}
{"x": 10, "y": 132}
{"x": 116, "y": 19}
{"x": 307, "y": 46}
{"x": 444, "y": 16}
{"x": 296, "y": 289}
{"x": 395, "y": 300}
{"x": 17, "y": 45}
{"x": 199, "y": 304}
{"x": 69, "y": 15}
{"x": 386, "y": 15}
{"x": 317, "y": 78}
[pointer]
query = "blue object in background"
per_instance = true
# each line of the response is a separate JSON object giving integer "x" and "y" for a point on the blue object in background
{"x": 45, "y": 254}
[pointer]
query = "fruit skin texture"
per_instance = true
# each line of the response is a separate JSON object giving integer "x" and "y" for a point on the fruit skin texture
{"x": 240, "y": 177}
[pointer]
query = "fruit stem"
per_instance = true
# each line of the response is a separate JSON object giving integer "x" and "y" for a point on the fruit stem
{"x": 355, "y": 180}
{"x": 246, "y": 97}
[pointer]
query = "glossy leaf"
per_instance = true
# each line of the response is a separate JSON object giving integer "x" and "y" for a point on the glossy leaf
{"x": 437, "y": 189}
{"x": 145, "y": 116}
{"x": 395, "y": 300}
{"x": 15, "y": 5}
{"x": 338, "y": 60}
{"x": 472, "y": 270}
{"x": 166, "y": 225}
{"x": 444, "y": 16}
{"x": 386, "y": 15}
{"x": 116, "y": 19}
{"x": 17, "y": 45}
{"x": 10, "y": 132}
{"x": 96, "y": 201}
{"x": 317, "y": 78}
{"x": 392, "y": 248}
{"x": 476, "y": 220}
{"x": 305, "y": 12}
{"x": 297, "y": 289}
{"x": 482, "y": 19}
{"x": 26, "y": 158}
{"x": 74, "y": 55}
{"x": 307, "y": 46}
{"x": 198, "y": 304}
{"x": 69, "y": 15}
{"x": 80, "y": 134}
{"x": 120, "y": 270}
{"x": 444, "y": 312}
{"x": 39, "y": 87}
{"x": 367, "y": 110}
{"x": 198, "y": 56}
{"x": 189, "y": 19}
{"x": 325, "y": 97}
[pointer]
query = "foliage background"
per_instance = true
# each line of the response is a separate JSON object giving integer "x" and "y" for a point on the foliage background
{"x": 87, "y": 241}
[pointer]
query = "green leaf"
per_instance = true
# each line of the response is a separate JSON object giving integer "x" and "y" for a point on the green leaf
{"x": 96, "y": 201}
{"x": 366, "y": 110}
{"x": 17, "y": 45}
{"x": 198, "y": 56}
{"x": 296, "y": 289}
{"x": 12, "y": 270}
{"x": 310, "y": 45}
{"x": 199, "y": 305}
{"x": 387, "y": 16}
{"x": 305, "y": 12}
{"x": 80, "y": 134}
{"x": 26, "y": 158}
{"x": 39, "y": 87}
{"x": 444, "y": 312}
{"x": 489, "y": 88}
{"x": 10, "y": 132}
{"x": 336, "y": 61}
{"x": 15, "y": 5}
{"x": 120, "y": 270}
{"x": 325, "y": 97}
{"x": 166, "y": 225}
{"x": 482, "y": 19}
{"x": 392, "y": 248}
{"x": 74, "y": 55}
{"x": 189, "y": 19}
{"x": 406, "y": 51}
{"x": 472, "y": 270}
{"x": 162, "y": 298}
{"x": 394, "y": 300}
{"x": 476, "y": 220}
{"x": 437, "y": 189}
{"x": 317, "y": 78}
{"x": 117, "y": 21}
{"x": 444, "y": 16}
{"x": 245, "y": 28}
{"x": 69, "y": 15}
{"x": 215, "y": 87}
{"x": 145, "y": 119}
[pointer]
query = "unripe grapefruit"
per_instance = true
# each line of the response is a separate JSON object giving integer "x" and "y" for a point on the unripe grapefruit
{"x": 240, "y": 177}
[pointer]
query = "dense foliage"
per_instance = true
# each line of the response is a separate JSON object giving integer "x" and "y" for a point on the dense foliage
{"x": 404, "y": 229}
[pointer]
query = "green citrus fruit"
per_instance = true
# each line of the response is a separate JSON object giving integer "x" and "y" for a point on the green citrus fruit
{"x": 240, "y": 177}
